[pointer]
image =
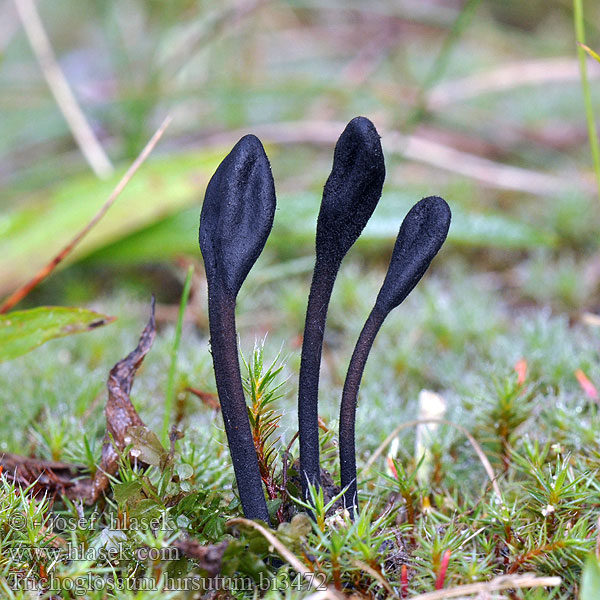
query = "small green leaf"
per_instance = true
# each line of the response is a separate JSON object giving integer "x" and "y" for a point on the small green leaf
{"x": 127, "y": 490}
{"x": 145, "y": 511}
{"x": 184, "y": 471}
{"x": 146, "y": 446}
{"x": 23, "y": 330}
{"x": 301, "y": 525}
{"x": 273, "y": 506}
{"x": 590, "y": 580}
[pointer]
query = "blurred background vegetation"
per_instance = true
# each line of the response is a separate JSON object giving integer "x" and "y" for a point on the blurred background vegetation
{"x": 477, "y": 100}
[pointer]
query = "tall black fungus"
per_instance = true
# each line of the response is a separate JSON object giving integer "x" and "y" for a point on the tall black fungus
{"x": 421, "y": 235}
{"x": 349, "y": 199}
{"x": 236, "y": 219}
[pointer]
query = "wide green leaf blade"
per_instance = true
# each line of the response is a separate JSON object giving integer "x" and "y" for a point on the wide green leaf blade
{"x": 23, "y": 330}
{"x": 40, "y": 226}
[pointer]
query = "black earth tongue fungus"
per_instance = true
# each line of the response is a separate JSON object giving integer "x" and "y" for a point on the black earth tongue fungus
{"x": 349, "y": 199}
{"x": 236, "y": 219}
{"x": 421, "y": 235}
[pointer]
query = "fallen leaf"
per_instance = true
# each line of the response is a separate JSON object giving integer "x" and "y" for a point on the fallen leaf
{"x": 146, "y": 446}
{"x": 124, "y": 427}
{"x": 46, "y": 476}
{"x": 120, "y": 412}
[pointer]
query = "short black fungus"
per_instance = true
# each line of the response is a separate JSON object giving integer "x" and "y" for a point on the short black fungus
{"x": 421, "y": 235}
{"x": 350, "y": 196}
{"x": 236, "y": 219}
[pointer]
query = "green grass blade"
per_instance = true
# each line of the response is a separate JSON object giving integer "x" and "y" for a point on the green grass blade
{"x": 585, "y": 84}
{"x": 590, "y": 580}
{"x": 170, "y": 395}
{"x": 442, "y": 59}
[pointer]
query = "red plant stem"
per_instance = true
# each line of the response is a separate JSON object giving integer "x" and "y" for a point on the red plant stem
{"x": 519, "y": 561}
{"x": 266, "y": 472}
{"x": 404, "y": 582}
{"x": 439, "y": 583}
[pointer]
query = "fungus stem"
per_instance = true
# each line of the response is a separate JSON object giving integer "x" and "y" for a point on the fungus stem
{"x": 223, "y": 340}
{"x": 236, "y": 219}
{"x": 308, "y": 384}
{"x": 350, "y": 196}
{"x": 421, "y": 235}
{"x": 348, "y": 406}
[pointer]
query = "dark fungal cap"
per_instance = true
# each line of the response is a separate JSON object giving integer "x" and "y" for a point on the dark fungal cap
{"x": 421, "y": 235}
{"x": 352, "y": 189}
{"x": 362, "y": 130}
{"x": 237, "y": 214}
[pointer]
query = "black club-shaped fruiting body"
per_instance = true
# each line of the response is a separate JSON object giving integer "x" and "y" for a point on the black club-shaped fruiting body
{"x": 421, "y": 235}
{"x": 236, "y": 219}
{"x": 349, "y": 199}
{"x": 237, "y": 216}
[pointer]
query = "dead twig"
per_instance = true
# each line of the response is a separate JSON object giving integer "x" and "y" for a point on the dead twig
{"x": 507, "y": 77}
{"x": 496, "y": 584}
{"x": 288, "y": 555}
{"x": 376, "y": 575}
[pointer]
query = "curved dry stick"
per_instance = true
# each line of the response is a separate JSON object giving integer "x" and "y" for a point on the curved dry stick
{"x": 237, "y": 216}
{"x": 483, "y": 588}
{"x": 349, "y": 199}
{"x": 363, "y": 566}
{"x": 421, "y": 235}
